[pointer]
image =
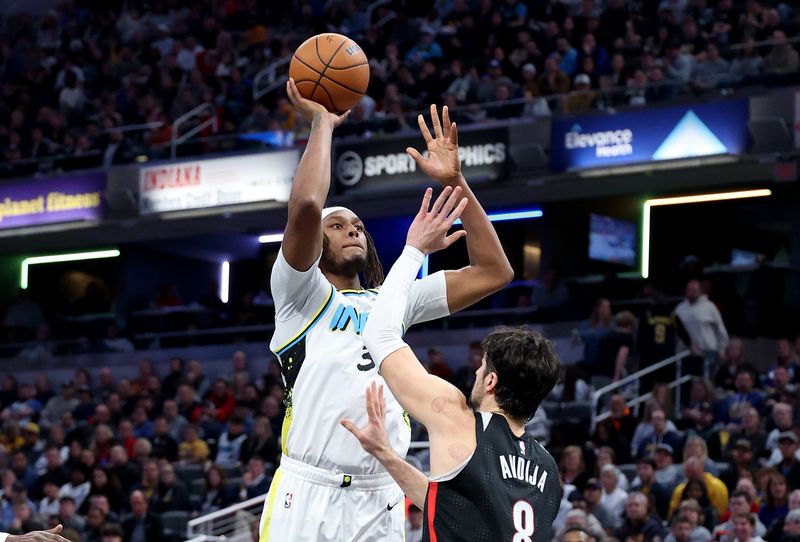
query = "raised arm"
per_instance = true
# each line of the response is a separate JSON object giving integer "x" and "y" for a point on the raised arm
{"x": 488, "y": 270}
{"x": 302, "y": 239}
{"x": 373, "y": 438}
{"x": 436, "y": 403}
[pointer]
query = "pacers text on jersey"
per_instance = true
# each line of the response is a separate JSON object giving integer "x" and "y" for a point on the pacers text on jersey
{"x": 518, "y": 467}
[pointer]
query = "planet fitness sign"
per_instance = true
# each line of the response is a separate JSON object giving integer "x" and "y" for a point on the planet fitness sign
{"x": 46, "y": 201}
{"x": 669, "y": 133}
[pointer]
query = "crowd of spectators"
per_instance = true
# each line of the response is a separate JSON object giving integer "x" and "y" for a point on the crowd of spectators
{"x": 71, "y": 77}
{"x": 108, "y": 458}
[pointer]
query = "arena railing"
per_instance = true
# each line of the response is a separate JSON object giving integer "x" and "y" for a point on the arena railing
{"x": 635, "y": 378}
{"x": 195, "y": 114}
{"x": 266, "y": 80}
{"x": 233, "y": 524}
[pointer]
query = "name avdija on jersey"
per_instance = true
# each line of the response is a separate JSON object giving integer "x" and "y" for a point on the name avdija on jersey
{"x": 518, "y": 467}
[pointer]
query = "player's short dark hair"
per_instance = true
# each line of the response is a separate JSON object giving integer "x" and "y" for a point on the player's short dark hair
{"x": 527, "y": 368}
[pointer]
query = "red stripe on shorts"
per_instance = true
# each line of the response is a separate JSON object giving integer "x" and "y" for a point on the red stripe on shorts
{"x": 433, "y": 488}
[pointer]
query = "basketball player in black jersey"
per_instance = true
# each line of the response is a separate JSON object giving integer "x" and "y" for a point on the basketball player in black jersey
{"x": 489, "y": 480}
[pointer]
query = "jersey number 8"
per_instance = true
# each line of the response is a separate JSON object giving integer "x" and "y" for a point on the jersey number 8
{"x": 523, "y": 522}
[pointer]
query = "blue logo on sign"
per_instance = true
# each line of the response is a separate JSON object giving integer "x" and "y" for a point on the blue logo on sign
{"x": 690, "y": 137}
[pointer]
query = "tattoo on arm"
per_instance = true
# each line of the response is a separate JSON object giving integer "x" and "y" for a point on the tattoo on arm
{"x": 316, "y": 121}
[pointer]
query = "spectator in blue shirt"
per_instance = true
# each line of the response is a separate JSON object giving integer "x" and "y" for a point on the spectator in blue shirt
{"x": 427, "y": 49}
{"x": 661, "y": 435}
{"x": 734, "y": 406}
{"x": 569, "y": 56}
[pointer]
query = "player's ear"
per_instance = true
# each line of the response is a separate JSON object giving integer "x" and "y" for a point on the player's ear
{"x": 490, "y": 382}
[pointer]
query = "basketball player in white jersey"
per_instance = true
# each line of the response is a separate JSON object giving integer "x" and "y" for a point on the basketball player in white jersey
{"x": 327, "y": 487}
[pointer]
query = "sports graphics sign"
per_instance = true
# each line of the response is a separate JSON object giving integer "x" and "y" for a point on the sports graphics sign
{"x": 384, "y": 163}
{"x": 668, "y": 133}
{"x": 34, "y": 202}
{"x": 198, "y": 184}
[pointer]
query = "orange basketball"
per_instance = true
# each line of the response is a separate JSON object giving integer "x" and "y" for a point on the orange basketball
{"x": 332, "y": 70}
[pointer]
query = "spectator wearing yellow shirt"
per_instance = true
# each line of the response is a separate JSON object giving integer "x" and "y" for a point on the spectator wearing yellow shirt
{"x": 717, "y": 492}
{"x": 193, "y": 449}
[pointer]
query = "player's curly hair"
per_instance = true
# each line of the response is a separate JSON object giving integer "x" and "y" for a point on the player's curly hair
{"x": 527, "y": 368}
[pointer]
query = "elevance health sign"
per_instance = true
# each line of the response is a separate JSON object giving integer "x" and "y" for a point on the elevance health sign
{"x": 668, "y": 133}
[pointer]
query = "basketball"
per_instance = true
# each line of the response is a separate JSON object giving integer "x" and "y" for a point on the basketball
{"x": 332, "y": 70}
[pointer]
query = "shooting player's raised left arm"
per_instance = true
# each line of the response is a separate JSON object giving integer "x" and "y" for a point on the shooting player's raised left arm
{"x": 489, "y": 269}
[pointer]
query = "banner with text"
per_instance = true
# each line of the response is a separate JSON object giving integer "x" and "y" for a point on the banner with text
{"x": 34, "y": 202}
{"x": 668, "y": 133}
{"x": 384, "y": 163}
{"x": 198, "y": 184}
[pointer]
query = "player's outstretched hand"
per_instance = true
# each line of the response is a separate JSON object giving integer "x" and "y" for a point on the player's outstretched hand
{"x": 372, "y": 437}
{"x": 442, "y": 163}
{"x": 309, "y": 108}
{"x": 428, "y": 232}
{"x": 50, "y": 535}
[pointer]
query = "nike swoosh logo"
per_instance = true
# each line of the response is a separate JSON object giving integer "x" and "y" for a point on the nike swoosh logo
{"x": 390, "y": 506}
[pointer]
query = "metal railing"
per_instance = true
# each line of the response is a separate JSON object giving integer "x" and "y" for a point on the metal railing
{"x": 269, "y": 75}
{"x": 676, "y": 360}
{"x": 178, "y": 138}
{"x": 230, "y": 523}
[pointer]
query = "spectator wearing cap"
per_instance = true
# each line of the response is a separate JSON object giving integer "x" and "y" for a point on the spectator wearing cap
{"x": 667, "y": 473}
{"x": 777, "y": 530}
{"x": 487, "y": 88}
{"x": 750, "y": 428}
{"x": 780, "y": 388}
{"x": 742, "y": 461}
{"x": 414, "y": 524}
{"x": 646, "y": 483}
{"x": 783, "y": 420}
{"x": 592, "y": 492}
{"x": 553, "y": 80}
{"x": 582, "y": 97}
{"x": 776, "y": 499}
{"x": 661, "y": 434}
{"x": 426, "y": 49}
{"x": 717, "y": 492}
{"x": 612, "y": 496}
{"x": 638, "y": 522}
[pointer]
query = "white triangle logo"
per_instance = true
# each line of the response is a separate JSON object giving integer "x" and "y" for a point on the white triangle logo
{"x": 690, "y": 137}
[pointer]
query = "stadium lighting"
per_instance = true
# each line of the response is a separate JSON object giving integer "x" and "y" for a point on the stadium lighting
{"x": 224, "y": 281}
{"x": 510, "y": 215}
{"x": 681, "y": 200}
{"x": 58, "y": 258}
{"x": 271, "y": 238}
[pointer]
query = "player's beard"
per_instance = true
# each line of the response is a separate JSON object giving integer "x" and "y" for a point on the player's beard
{"x": 341, "y": 266}
{"x": 476, "y": 395}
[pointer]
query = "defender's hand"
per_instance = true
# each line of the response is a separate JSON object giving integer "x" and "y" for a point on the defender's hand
{"x": 372, "y": 437}
{"x": 308, "y": 109}
{"x": 442, "y": 163}
{"x": 428, "y": 232}
{"x": 50, "y": 535}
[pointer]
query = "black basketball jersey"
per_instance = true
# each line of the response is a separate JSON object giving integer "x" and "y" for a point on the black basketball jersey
{"x": 508, "y": 491}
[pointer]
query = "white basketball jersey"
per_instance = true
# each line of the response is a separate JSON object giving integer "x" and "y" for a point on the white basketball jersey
{"x": 326, "y": 368}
